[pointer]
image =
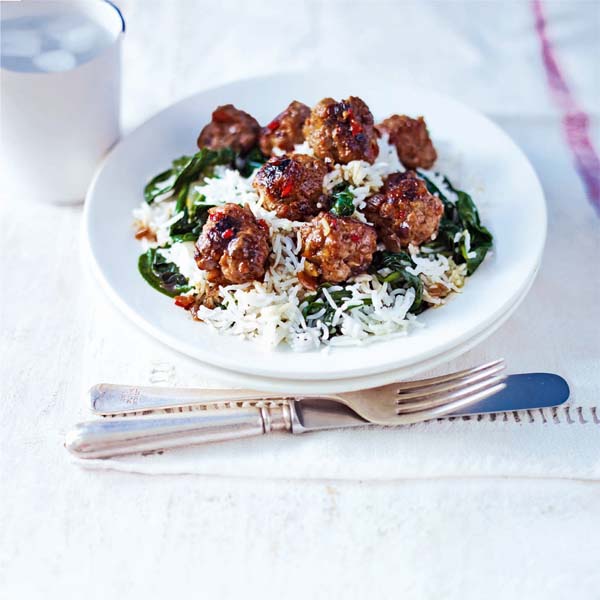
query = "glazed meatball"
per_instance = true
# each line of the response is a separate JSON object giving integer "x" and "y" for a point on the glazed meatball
{"x": 230, "y": 128}
{"x": 404, "y": 212}
{"x": 292, "y": 186}
{"x": 285, "y": 130}
{"x": 342, "y": 131}
{"x": 412, "y": 141}
{"x": 233, "y": 246}
{"x": 335, "y": 248}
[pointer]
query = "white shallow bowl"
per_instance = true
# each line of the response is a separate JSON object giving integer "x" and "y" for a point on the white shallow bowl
{"x": 510, "y": 198}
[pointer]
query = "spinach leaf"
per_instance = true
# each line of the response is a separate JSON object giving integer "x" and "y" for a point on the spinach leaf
{"x": 398, "y": 262}
{"x": 191, "y": 203}
{"x": 178, "y": 180}
{"x": 251, "y": 161}
{"x": 194, "y": 209}
{"x": 159, "y": 185}
{"x": 162, "y": 275}
{"x": 434, "y": 189}
{"x": 481, "y": 238}
{"x": 458, "y": 216}
{"x": 186, "y": 229}
{"x": 343, "y": 202}
{"x": 317, "y": 301}
{"x": 185, "y": 170}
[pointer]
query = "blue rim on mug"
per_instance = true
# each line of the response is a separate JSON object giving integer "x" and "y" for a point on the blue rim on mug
{"x": 119, "y": 13}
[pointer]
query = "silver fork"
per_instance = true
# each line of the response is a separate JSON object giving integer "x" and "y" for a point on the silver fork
{"x": 397, "y": 404}
{"x": 386, "y": 405}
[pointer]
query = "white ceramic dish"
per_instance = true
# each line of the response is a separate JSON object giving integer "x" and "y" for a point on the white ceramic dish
{"x": 511, "y": 202}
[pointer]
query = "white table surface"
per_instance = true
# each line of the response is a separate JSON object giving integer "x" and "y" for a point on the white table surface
{"x": 67, "y": 531}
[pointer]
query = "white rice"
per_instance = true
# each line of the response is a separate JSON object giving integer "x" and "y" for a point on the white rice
{"x": 270, "y": 311}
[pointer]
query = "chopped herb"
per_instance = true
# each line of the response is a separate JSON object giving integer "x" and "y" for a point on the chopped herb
{"x": 343, "y": 201}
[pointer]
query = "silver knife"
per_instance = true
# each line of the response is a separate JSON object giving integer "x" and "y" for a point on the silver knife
{"x": 146, "y": 434}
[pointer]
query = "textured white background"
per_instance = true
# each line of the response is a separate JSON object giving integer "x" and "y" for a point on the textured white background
{"x": 64, "y": 530}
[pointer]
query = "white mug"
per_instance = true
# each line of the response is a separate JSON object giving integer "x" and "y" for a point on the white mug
{"x": 56, "y": 126}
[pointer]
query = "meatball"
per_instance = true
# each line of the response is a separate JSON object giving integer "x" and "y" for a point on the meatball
{"x": 285, "y": 130}
{"x": 342, "y": 131}
{"x": 412, "y": 141}
{"x": 335, "y": 248}
{"x": 292, "y": 186}
{"x": 404, "y": 212}
{"x": 233, "y": 246}
{"x": 230, "y": 128}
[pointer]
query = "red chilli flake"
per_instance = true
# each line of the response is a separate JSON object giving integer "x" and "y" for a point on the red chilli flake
{"x": 221, "y": 116}
{"x": 355, "y": 126}
{"x": 274, "y": 124}
{"x": 355, "y": 237}
{"x": 184, "y": 301}
{"x": 287, "y": 188}
{"x": 228, "y": 234}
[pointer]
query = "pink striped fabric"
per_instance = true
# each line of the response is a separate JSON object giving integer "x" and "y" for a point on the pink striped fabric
{"x": 575, "y": 121}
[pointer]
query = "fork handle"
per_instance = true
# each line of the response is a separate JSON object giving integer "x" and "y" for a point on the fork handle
{"x": 119, "y": 436}
{"x": 113, "y": 399}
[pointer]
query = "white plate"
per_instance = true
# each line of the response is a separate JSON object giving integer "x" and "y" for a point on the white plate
{"x": 511, "y": 202}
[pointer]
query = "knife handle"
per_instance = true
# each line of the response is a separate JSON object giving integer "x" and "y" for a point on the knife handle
{"x": 146, "y": 434}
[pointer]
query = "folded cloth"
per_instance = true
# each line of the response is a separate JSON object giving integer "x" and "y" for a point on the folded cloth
{"x": 544, "y": 448}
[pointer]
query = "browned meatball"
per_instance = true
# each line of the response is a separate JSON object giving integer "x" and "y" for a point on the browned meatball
{"x": 342, "y": 131}
{"x": 233, "y": 246}
{"x": 292, "y": 186}
{"x": 335, "y": 248}
{"x": 230, "y": 128}
{"x": 285, "y": 130}
{"x": 404, "y": 212}
{"x": 412, "y": 141}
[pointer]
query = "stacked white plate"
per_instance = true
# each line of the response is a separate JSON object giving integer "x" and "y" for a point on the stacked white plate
{"x": 506, "y": 190}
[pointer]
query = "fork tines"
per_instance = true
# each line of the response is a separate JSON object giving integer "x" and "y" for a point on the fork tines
{"x": 481, "y": 381}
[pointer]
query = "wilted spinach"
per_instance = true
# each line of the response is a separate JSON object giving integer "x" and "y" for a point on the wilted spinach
{"x": 179, "y": 179}
{"x": 317, "y": 301}
{"x": 161, "y": 274}
{"x": 397, "y": 263}
{"x": 481, "y": 238}
{"x": 194, "y": 209}
{"x": 246, "y": 164}
{"x": 457, "y": 217}
{"x": 184, "y": 171}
